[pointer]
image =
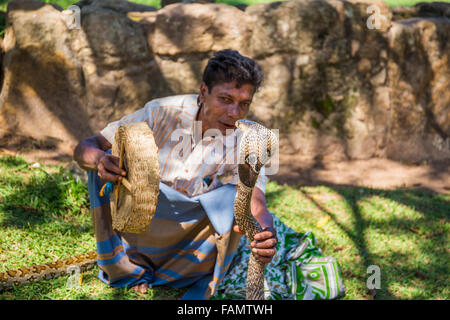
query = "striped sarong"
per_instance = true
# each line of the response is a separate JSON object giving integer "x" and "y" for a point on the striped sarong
{"x": 189, "y": 242}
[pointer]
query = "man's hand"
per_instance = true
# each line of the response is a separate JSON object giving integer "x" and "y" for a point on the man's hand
{"x": 264, "y": 245}
{"x": 90, "y": 155}
{"x": 108, "y": 168}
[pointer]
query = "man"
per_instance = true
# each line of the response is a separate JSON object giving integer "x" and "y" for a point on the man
{"x": 229, "y": 83}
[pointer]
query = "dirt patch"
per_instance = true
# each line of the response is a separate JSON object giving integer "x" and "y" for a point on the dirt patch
{"x": 376, "y": 173}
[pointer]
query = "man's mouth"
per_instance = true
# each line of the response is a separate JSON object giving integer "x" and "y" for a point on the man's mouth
{"x": 228, "y": 126}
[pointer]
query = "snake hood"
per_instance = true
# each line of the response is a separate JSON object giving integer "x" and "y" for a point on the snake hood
{"x": 257, "y": 144}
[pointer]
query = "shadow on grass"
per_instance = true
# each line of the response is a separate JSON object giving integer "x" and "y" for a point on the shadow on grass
{"x": 425, "y": 232}
{"x": 12, "y": 162}
{"x": 34, "y": 197}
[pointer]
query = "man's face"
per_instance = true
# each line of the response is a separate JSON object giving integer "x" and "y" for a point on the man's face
{"x": 224, "y": 105}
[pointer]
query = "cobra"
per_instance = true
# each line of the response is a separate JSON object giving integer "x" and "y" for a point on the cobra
{"x": 256, "y": 147}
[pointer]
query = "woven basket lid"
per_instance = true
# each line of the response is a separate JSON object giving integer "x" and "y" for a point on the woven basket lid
{"x": 136, "y": 198}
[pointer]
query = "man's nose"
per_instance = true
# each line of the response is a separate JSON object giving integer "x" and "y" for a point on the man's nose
{"x": 233, "y": 111}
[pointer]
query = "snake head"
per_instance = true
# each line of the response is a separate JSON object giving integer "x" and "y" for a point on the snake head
{"x": 257, "y": 145}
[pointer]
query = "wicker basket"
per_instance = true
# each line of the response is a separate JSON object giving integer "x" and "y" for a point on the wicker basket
{"x": 136, "y": 197}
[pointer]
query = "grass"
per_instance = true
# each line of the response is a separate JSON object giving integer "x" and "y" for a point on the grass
{"x": 44, "y": 216}
{"x": 404, "y": 232}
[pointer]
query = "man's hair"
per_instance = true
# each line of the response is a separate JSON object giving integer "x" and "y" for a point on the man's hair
{"x": 228, "y": 65}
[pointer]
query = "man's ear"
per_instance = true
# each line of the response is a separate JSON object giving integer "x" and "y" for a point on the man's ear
{"x": 203, "y": 91}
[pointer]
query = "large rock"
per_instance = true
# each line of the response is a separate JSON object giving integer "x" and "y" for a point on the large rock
{"x": 67, "y": 83}
{"x": 422, "y": 9}
{"x": 197, "y": 28}
{"x": 340, "y": 81}
{"x": 115, "y": 5}
{"x": 42, "y": 93}
{"x": 419, "y": 78}
{"x": 321, "y": 70}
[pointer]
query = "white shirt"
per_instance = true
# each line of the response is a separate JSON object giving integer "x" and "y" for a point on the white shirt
{"x": 188, "y": 163}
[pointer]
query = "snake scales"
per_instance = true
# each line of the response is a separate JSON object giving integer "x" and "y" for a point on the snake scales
{"x": 258, "y": 144}
{"x": 256, "y": 147}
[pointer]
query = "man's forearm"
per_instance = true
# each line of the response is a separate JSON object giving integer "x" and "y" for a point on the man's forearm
{"x": 259, "y": 209}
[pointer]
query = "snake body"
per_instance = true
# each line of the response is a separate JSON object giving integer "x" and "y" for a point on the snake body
{"x": 46, "y": 271}
{"x": 256, "y": 147}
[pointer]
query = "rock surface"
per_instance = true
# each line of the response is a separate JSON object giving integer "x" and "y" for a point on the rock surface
{"x": 342, "y": 81}
{"x": 422, "y": 9}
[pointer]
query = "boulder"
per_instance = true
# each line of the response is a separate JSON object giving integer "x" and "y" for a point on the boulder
{"x": 419, "y": 69}
{"x": 67, "y": 83}
{"x": 422, "y": 9}
{"x": 115, "y": 5}
{"x": 433, "y": 9}
{"x": 169, "y": 2}
{"x": 198, "y": 29}
{"x": 42, "y": 92}
{"x": 342, "y": 79}
{"x": 322, "y": 66}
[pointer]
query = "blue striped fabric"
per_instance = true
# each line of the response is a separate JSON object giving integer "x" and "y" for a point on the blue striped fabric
{"x": 188, "y": 243}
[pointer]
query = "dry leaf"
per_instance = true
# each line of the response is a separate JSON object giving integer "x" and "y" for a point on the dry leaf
{"x": 323, "y": 222}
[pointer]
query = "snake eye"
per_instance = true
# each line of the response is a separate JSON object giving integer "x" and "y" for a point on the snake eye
{"x": 268, "y": 154}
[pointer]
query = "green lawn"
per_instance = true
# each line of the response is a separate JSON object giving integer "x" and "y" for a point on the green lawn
{"x": 44, "y": 216}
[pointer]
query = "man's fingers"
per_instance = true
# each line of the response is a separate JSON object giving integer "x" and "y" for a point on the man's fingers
{"x": 264, "y": 252}
{"x": 113, "y": 159}
{"x": 111, "y": 166}
{"x": 264, "y": 255}
{"x": 263, "y": 246}
{"x": 106, "y": 176}
{"x": 108, "y": 169}
{"x": 264, "y": 235}
{"x": 266, "y": 244}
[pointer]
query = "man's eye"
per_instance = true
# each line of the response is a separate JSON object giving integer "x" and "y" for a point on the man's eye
{"x": 244, "y": 106}
{"x": 226, "y": 100}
